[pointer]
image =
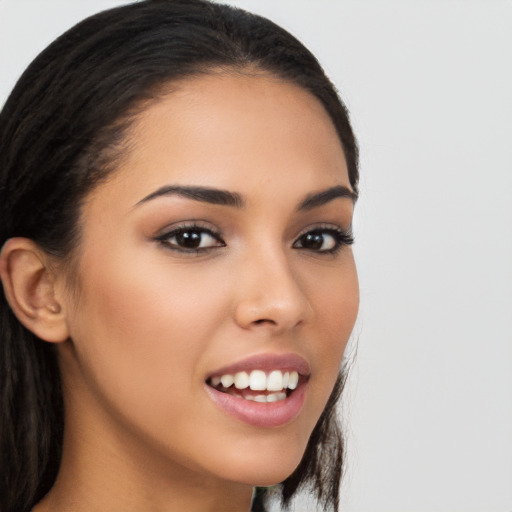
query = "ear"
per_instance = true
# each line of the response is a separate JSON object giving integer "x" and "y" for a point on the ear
{"x": 29, "y": 285}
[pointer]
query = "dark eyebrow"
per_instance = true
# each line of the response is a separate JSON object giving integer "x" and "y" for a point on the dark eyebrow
{"x": 323, "y": 197}
{"x": 203, "y": 194}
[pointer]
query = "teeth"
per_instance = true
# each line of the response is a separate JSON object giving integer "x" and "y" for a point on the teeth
{"x": 241, "y": 380}
{"x": 275, "y": 381}
{"x": 227, "y": 380}
{"x": 294, "y": 380}
{"x": 273, "y": 397}
{"x": 258, "y": 380}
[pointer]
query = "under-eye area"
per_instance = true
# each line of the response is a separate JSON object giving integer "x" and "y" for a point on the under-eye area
{"x": 258, "y": 385}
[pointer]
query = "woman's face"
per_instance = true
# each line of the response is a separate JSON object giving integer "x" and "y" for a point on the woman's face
{"x": 219, "y": 248}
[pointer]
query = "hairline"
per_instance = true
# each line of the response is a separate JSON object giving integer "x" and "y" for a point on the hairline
{"x": 124, "y": 128}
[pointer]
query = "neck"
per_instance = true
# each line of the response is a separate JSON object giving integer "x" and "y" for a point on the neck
{"x": 104, "y": 481}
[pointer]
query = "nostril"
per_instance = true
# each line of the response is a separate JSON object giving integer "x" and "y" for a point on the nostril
{"x": 264, "y": 320}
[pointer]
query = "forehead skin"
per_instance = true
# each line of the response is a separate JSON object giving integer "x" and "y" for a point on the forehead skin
{"x": 219, "y": 109}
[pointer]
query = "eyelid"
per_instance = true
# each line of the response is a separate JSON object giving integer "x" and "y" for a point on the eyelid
{"x": 325, "y": 226}
{"x": 198, "y": 224}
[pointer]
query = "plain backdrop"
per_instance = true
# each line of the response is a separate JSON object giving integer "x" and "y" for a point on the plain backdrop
{"x": 428, "y": 410}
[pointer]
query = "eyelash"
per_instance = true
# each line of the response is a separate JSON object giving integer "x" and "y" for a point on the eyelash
{"x": 165, "y": 238}
{"x": 340, "y": 237}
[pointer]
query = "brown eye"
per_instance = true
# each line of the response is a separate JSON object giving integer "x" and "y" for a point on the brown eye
{"x": 317, "y": 241}
{"x": 191, "y": 239}
{"x": 323, "y": 240}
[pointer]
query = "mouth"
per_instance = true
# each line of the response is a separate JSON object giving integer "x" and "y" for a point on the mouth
{"x": 258, "y": 385}
{"x": 264, "y": 391}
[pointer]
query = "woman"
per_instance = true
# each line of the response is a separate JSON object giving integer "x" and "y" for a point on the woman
{"x": 178, "y": 181}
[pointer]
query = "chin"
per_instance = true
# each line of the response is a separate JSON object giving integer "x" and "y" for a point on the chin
{"x": 265, "y": 477}
{"x": 264, "y": 466}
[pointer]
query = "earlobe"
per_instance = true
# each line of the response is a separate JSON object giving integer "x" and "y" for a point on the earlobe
{"x": 29, "y": 286}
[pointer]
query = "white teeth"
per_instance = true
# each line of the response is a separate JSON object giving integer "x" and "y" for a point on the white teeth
{"x": 241, "y": 380}
{"x": 275, "y": 381}
{"x": 258, "y": 380}
{"x": 294, "y": 380}
{"x": 272, "y": 397}
{"x": 227, "y": 380}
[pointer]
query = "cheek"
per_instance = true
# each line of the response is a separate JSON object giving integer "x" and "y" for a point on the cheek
{"x": 166, "y": 301}
{"x": 140, "y": 331}
{"x": 336, "y": 304}
{"x": 334, "y": 298}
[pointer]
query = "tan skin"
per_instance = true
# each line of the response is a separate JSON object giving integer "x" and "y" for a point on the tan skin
{"x": 144, "y": 322}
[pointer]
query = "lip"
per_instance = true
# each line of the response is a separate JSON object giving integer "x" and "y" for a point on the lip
{"x": 270, "y": 414}
{"x": 264, "y": 415}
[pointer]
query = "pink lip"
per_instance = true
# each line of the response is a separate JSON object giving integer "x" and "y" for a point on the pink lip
{"x": 264, "y": 415}
{"x": 267, "y": 362}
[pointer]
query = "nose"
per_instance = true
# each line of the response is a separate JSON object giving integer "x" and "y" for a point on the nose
{"x": 269, "y": 294}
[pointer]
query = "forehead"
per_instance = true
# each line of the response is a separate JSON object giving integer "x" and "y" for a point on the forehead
{"x": 233, "y": 131}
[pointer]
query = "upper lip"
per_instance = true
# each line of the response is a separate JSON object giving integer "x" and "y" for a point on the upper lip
{"x": 266, "y": 362}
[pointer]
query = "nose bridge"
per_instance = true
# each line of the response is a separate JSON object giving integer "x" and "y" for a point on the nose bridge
{"x": 270, "y": 292}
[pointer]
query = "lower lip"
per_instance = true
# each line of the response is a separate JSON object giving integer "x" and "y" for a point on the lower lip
{"x": 265, "y": 415}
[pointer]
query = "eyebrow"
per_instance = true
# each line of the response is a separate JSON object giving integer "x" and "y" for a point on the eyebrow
{"x": 233, "y": 199}
{"x": 203, "y": 194}
{"x": 320, "y": 198}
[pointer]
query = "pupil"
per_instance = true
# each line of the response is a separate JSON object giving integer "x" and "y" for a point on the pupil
{"x": 189, "y": 239}
{"x": 313, "y": 241}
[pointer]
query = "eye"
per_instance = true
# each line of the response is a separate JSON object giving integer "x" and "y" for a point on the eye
{"x": 191, "y": 239}
{"x": 324, "y": 240}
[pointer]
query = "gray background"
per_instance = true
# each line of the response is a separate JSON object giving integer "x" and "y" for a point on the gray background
{"x": 429, "y": 84}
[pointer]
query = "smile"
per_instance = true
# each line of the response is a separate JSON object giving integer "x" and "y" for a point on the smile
{"x": 274, "y": 386}
{"x": 269, "y": 394}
